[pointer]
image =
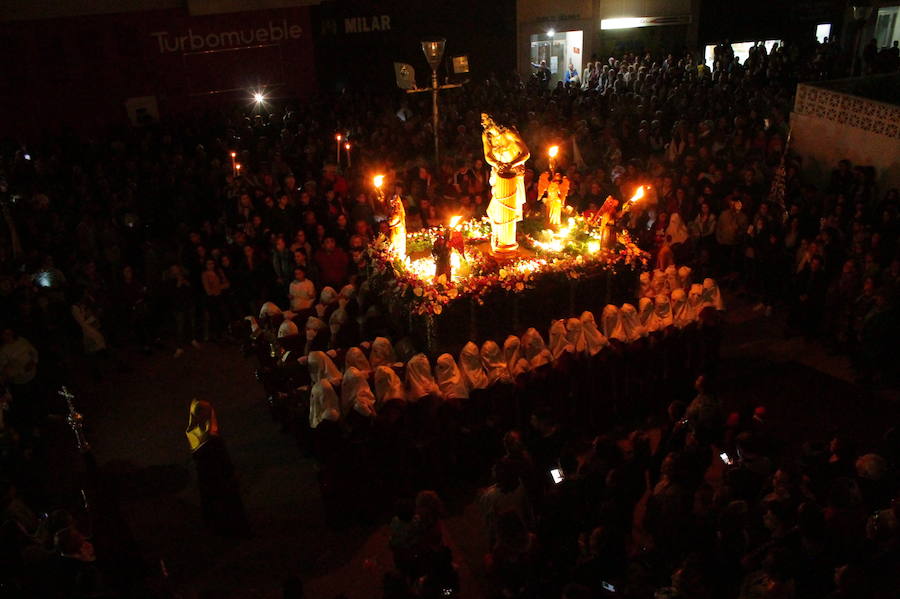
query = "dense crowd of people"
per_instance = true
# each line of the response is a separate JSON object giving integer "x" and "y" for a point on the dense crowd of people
{"x": 151, "y": 238}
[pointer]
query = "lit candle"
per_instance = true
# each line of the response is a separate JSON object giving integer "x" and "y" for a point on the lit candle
{"x": 378, "y": 181}
{"x": 349, "y": 160}
{"x": 337, "y": 138}
{"x": 237, "y": 169}
{"x": 552, "y": 152}
{"x": 233, "y": 169}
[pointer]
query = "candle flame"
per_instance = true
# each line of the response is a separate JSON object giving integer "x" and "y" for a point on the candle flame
{"x": 378, "y": 180}
{"x": 346, "y": 146}
{"x": 338, "y": 137}
{"x": 593, "y": 247}
{"x": 455, "y": 221}
{"x": 553, "y": 151}
{"x": 237, "y": 166}
{"x": 637, "y": 194}
{"x": 234, "y": 154}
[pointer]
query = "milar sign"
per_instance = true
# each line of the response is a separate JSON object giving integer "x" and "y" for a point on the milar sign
{"x": 367, "y": 24}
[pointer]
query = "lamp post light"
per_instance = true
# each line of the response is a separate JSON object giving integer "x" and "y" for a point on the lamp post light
{"x": 434, "y": 53}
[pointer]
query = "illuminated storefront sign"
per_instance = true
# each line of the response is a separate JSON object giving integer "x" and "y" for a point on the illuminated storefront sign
{"x": 633, "y": 22}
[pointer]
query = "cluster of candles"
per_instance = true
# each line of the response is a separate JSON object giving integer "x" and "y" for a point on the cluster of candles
{"x": 346, "y": 145}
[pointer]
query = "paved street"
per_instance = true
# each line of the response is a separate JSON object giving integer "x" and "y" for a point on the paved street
{"x": 137, "y": 424}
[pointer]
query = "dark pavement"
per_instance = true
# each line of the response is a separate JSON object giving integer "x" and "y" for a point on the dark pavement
{"x": 136, "y": 424}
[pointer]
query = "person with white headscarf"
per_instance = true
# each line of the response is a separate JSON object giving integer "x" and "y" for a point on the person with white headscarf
{"x": 337, "y": 319}
{"x": 388, "y": 387}
{"x": 450, "y": 379}
{"x": 382, "y": 353}
{"x": 612, "y": 324}
{"x": 575, "y": 336}
{"x": 684, "y": 277}
{"x": 268, "y": 310}
{"x": 357, "y": 359}
{"x": 356, "y": 395}
{"x": 348, "y": 292}
{"x": 681, "y": 315}
{"x": 317, "y": 334}
{"x": 419, "y": 379}
{"x": 287, "y": 329}
{"x": 559, "y": 345}
{"x": 536, "y": 351}
{"x": 494, "y": 366}
{"x": 644, "y": 285}
{"x": 321, "y": 368}
{"x": 594, "y": 340}
{"x": 672, "y": 281}
{"x": 472, "y": 367}
{"x": 662, "y": 305}
{"x": 327, "y": 300}
{"x": 631, "y": 324}
{"x": 695, "y": 300}
{"x": 515, "y": 361}
{"x": 647, "y": 315}
{"x": 711, "y": 295}
{"x": 324, "y": 404}
{"x": 677, "y": 230}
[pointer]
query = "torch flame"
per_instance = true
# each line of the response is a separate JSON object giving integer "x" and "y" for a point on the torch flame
{"x": 553, "y": 151}
{"x": 637, "y": 194}
{"x": 378, "y": 180}
{"x": 455, "y": 221}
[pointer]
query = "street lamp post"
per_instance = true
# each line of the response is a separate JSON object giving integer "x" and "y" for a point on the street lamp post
{"x": 434, "y": 53}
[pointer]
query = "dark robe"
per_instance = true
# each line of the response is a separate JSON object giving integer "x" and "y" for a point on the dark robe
{"x": 223, "y": 510}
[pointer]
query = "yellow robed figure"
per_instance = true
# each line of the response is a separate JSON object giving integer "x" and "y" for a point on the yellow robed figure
{"x": 556, "y": 188}
{"x": 507, "y": 153}
{"x": 397, "y": 226}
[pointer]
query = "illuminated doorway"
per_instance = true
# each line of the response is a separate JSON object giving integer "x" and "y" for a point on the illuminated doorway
{"x": 558, "y": 49}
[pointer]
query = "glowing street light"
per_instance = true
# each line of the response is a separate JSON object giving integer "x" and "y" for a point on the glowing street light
{"x": 259, "y": 97}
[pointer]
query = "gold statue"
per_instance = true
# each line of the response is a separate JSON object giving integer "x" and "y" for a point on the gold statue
{"x": 553, "y": 189}
{"x": 506, "y": 152}
{"x": 397, "y": 226}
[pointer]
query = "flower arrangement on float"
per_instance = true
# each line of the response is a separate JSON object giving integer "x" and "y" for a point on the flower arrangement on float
{"x": 576, "y": 250}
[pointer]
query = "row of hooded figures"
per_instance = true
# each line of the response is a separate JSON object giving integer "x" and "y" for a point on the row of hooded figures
{"x": 671, "y": 334}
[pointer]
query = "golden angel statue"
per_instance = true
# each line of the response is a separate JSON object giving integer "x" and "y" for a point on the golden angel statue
{"x": 397, "y": 226}
{"x": 507, "y": 153}
{"x": 553, "y": 189}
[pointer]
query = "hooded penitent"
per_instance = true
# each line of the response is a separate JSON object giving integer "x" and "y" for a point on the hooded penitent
{"x": 322, "y": 368}
{"x": 512, "y": 353}
{"x": 202, "y": 424}
{"x": 357, "y": 359}
{"x": 323, "y": 404}
{"x": 419, "y": 380}
{"x": 382, "y": 353}
{"x": 449, "y": 378}
{"x": 647, "y": 315}
{"x": 536, "y": 351}
{"x": 558, "y": 342}
{"x": 494, "y": 364}
{"x": 684, "y": 277}
{"x": 680, "y": 314}
{"x": 695, "y": 300}
{"x": 711, "y": 295}
{"x": 269, "y": 309}
{"x": 472, "y": 368}
{"x": 575, "y": 335}
{"x": 631, "y": 324}
{"x": 594, "y": 340}
{"x": 662, "y": 305}
{"x": 612, "y": 324}
{"x": 388, "y": 386}
{"x": 644, "y": 286}
{"x": 356, "y": 394}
